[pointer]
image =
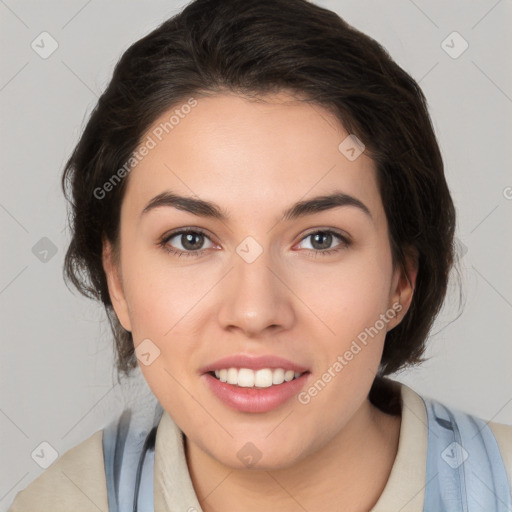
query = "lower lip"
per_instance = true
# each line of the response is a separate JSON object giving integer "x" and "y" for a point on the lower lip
{"x": 255, "y": 399}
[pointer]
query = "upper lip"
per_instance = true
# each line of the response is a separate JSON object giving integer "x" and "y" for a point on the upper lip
{"x": 253, "y": 363}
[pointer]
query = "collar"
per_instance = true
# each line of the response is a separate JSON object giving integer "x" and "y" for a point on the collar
{"x": 405, "y": 488}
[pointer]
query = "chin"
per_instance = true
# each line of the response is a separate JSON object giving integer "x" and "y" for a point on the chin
{"x": 259, "y": 455}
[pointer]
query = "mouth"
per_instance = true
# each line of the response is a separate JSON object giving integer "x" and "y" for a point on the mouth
{"x": 260, "y": 379}
{"x": 255, "y": 384}
{"x": 252, "y": 384}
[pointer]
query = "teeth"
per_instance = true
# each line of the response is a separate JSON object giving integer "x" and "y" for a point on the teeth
{"x": 247, "y": 378}
{"x": 278, "y": 376}
{"x": 263, "y": 378}
{"x": 232, "y": 376}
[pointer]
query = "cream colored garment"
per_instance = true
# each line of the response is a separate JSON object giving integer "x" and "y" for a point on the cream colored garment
{"x": 76, "y": 481}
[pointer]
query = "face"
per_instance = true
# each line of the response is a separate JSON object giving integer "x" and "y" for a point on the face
{"x": 240, "y": 286}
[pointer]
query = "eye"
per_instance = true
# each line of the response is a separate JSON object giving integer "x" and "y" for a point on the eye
{"x": 321, "y": 241}
{"x": 190, "y": 242}
{"x": 185, "y": 242}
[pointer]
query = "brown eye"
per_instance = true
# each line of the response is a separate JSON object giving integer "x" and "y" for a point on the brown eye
{"x": 186, "y": 242}
{"x": 191, "y": 241}
{"x": 322, "y": 241}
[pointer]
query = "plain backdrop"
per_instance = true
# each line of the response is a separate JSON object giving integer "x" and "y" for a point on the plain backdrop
{"x": 57, "y": 379}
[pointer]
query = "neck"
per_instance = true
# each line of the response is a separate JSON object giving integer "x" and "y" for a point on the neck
{"x": 349, "y": 473}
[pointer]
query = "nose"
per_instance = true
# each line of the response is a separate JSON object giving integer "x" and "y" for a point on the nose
{"x": 255, "y": 298}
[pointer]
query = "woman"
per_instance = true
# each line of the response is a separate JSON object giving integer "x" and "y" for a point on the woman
{"x": 260, "y": 204}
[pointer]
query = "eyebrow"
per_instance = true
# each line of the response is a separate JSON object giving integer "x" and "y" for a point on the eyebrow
{"x": 208, "y": 209}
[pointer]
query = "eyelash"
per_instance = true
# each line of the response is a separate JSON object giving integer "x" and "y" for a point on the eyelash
{"x": 345, "y": 242}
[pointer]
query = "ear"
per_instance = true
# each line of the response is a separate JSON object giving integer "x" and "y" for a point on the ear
{"x": 403, "y": 284}
{"x": 115, "y": 285}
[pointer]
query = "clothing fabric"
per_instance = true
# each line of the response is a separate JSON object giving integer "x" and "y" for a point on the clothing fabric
{"x": 76, "y": 481}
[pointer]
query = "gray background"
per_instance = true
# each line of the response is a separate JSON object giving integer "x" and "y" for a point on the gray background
{"x": 57, "y": 382}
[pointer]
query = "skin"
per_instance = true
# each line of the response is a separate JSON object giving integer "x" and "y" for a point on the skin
{"x": 255, "y": 159}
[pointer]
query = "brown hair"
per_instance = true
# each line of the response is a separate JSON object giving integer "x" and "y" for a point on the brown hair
{"x": 254, "y": 48}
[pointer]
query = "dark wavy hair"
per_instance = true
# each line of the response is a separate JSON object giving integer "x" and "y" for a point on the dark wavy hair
{"x": 251, "y": 49}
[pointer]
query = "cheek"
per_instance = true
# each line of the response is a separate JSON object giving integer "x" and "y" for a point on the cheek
{"x": 169, "y": 305}
{"x": 164, "y": 303}
{"x": 350, "y": 303}
{"x": 348, "y": 297}
{"x": 159, "y": 294}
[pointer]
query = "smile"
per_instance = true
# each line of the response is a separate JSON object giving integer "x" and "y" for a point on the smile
{"x": 262, "y": 378}
{"x": 244, "y": 392}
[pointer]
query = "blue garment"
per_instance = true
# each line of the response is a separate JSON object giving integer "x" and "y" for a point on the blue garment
{"x": 129, "y": 456}
{"x": 465, "y": 471}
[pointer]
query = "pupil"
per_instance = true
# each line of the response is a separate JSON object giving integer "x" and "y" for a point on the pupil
{"x": 326, "y": 236}
{"x": 189, "y": 238}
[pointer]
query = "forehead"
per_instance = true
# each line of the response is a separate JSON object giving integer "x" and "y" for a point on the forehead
{"x": 244, "y": 154}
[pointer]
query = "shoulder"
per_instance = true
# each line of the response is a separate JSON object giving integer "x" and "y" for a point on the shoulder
{"x": 75, "y": 481}
{"x": 503, "y": 435}
{"x": 473, "y": 426}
